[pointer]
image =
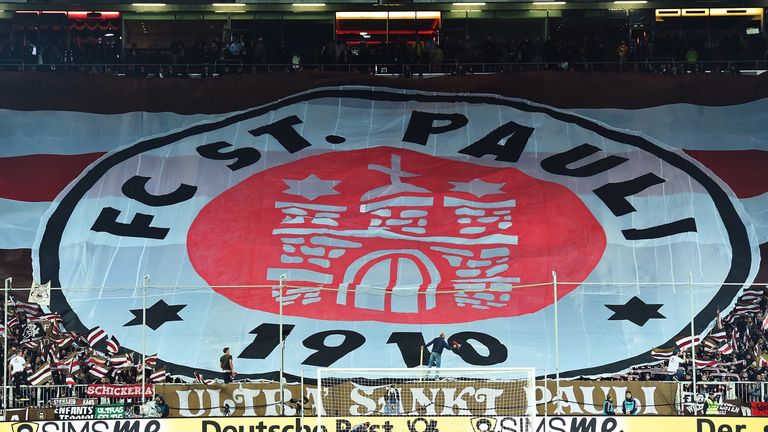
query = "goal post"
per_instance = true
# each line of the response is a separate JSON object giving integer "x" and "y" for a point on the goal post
{"x": 425, "y": 392}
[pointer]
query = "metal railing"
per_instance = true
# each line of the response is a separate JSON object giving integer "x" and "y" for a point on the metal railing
{"x": 43, "y": 396}
{"x": 208, "y": 70}
{"x": 744, "y": 391}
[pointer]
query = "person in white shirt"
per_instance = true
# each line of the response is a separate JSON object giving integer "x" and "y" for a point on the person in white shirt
{"x": 673, "y": 367}
{"x": 16, "y": 367}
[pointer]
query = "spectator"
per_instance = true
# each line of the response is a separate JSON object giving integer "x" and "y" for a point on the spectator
{"x": 608, "y": 408}
{"x": 162, "y": 408}
{"x": 674, "y": 369}
{"x": 629, "y": 406}
{"x": 17, "y": 367}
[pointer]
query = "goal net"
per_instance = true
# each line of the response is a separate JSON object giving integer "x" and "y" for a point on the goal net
{"x": 426, "y": 392}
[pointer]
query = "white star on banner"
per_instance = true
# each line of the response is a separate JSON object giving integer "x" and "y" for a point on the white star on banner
{"x": 311, "y": 187}
{"x": 477, "y": 187}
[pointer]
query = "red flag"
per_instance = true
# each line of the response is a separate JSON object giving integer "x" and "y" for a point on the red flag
{"x": 765, "y": 323}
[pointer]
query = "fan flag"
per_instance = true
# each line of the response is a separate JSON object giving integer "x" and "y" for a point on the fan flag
{"x": 158, "y": 376}
{"x": 48, "y": 317}
{"x": 96, "y": 335}
{"x": 705, "y": 363}
{"x": 65, "y": 341}
{"x": 151, "y": 361}
{"x": 202, "y": 380}
{"x": 113, "y": 346}
{"x": 98, "y": 371}
{"x": 662, "y": 353}
{"x": 764, "y": 324}
{"x": 725, "y": 349}
{"x": 41, "y": 376}
{"x": 97, "y": 360}
{"x": 687, "y": 342}
{"x": 719, "y": 336}
{"x": 392, "y": 212}
{"x": 29, "y": 309}
{"x": 761, "y": 361}
{"x": 747, "y": 308}
{"x": 752, "y": 294}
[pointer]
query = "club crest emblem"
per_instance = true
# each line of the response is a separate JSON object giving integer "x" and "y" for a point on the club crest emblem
{"x": 394, "y": 215}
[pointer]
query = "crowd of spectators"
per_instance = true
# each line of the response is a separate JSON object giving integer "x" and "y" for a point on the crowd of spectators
{"x": 669, "y": 53}
{"x": 53, "y": 356}
{"x": 735, "y": 350}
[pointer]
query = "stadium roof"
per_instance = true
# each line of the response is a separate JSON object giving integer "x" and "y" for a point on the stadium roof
{"x": 201, "y": 6}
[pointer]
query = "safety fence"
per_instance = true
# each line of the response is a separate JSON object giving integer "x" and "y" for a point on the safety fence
{"x": 212, "y": 70}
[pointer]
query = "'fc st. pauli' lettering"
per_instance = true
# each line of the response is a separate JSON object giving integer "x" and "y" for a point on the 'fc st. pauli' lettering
{"x": 421, "y": 126}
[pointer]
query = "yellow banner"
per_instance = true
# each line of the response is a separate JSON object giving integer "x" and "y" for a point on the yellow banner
{"x": 401, "y": 424}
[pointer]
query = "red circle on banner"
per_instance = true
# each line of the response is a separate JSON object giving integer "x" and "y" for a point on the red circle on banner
{"x": 393, "y": 235}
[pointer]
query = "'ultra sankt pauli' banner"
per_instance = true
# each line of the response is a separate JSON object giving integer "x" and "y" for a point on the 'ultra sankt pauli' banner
{"x": 426, "y": 398}
{"x": 399, "y": 424}
{"x": 387, "y": 210}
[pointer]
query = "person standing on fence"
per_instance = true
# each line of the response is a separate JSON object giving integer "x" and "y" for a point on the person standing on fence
{"x": 16, "y": 366}
{"x": 674, "y": 370}
{"x": 437, "y": 351}
{"x": 227, "y": 366}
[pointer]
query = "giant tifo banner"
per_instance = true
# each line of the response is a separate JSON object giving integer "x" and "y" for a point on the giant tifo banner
{"x": 375, "y": 218}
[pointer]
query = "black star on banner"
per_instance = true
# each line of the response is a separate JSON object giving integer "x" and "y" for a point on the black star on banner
{"x": 157, "y": 315}
{"x": 635, "y": 311}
